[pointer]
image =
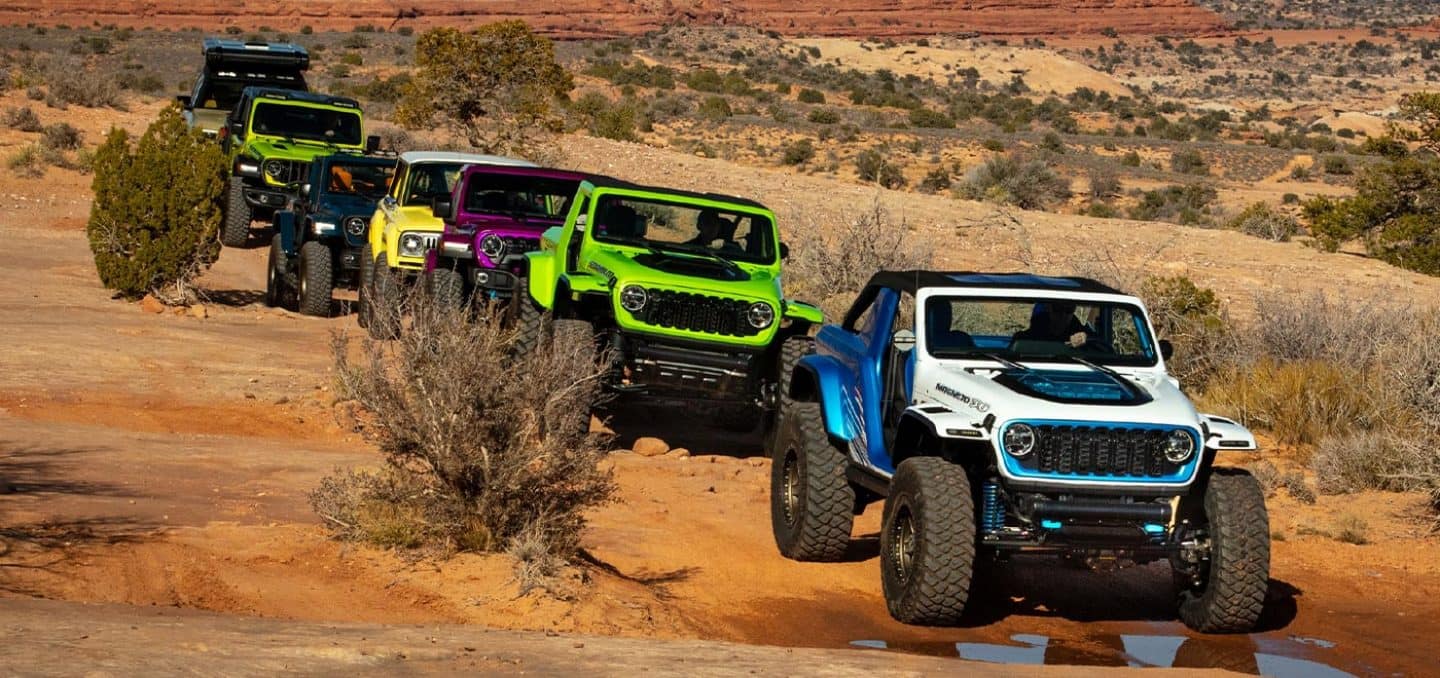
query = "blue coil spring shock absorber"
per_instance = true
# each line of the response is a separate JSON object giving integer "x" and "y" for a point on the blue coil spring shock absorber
{"x": 992, "y": 513}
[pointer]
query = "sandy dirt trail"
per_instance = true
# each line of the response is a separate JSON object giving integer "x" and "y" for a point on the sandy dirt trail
{"x": 163, "y": 460}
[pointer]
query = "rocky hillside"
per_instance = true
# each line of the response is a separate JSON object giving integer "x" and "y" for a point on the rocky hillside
{"x": 599, "y": 18}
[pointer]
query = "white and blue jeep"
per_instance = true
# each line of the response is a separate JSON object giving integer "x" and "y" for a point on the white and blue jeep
{"x": 1000, "y": 414}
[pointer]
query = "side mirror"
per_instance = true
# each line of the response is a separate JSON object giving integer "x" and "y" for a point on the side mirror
{"x": 443, "y": 208}
{"x": 372, "y": 143}
{"x": 784, "y": 251}
{"x": 1166, "y": 349}
{"x": 904, "y": 339}
{"x": 184, "y": 100}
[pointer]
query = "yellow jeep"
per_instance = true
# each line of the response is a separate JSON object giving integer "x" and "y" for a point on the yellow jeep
{"x": 404, "y": 229}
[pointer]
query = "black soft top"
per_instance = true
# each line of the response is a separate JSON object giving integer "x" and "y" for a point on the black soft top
{"x": 612, "y": 182}
{"x": 220, "y": 53}
{"x": 913, "y": 281}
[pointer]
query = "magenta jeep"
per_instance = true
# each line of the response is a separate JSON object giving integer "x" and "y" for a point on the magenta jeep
{"x": 494, "y": 216}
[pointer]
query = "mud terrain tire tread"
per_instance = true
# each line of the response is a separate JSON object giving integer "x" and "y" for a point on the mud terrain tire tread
{"x": 317, "y": 279}
{"x": 824, "y": 515}
{"x": 791, "y": 352}
{"x": 235, "y": 231}
{"x": 937, "y": 495}
{"x": 1233, "y": 596}
{"x": 275, "y": 274}
{"x": 529, "y": 319}
{"x": 362, "y": 290}
{"x": 448, "y": 288}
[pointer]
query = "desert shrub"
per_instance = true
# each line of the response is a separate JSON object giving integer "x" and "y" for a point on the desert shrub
{"x": 1028, "y": 184}
{"x": 873, "y": 165}
{"x": 1188, "y": 204}
{"x": 1370, "y": 460}
{"x": 22, "y": 119}
{"x": 829, "y": 265}
{"x": 480, "y": 443}
{"x": 1263, "y": 221}
{"x": 155, "y": 217}
{"x": 994, "y": 145}
{"x": 1131, "y": 159}
{"x": 809, "y": 96}
{"x": 494, "y": 85}
{"x": 798, "y": 152}
{"x": 1300, "y": 402}
{"x": 1192, "y": 319}
{"x": 1052, "y": 142}
{"x": 1189, "y": 161}
{"x": 936, "y": 180}
{"x": 714, "y": 109}
{"x": 1298, "y": 489}
{"x": 1336, "y": 164}
{"x": 1351, "y": 529}
{"x": 70, "y": 82}
{"x": 1104, "y": 183}
{"x": 924, "y": 117}
{"x": 60, "y": 136}
{"x": 28, "y": 162}
{"x": 823, "y": 116}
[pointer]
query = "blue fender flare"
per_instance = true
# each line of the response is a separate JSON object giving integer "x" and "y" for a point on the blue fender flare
{"x": 821, "y": 379}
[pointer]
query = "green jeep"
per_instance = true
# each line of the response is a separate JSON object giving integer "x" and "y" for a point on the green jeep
{"x": 681, "y": 290}
{"x": 272, "y": 135}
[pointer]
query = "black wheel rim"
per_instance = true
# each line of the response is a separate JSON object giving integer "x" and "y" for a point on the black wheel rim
{"x": 790, "y": 491}
{"x": 902, "y": 544}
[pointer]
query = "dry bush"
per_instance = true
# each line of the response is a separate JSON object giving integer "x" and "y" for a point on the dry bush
{"x": 1352, "y": 529}
{"x": 1192, "y": 318}
{"x": 1263, "y": 221}
{"x": 1294, "y": 483}
{"x": 1267, "y": 475}
{"x": 828, "y": 266}
{"x": 22, "y": 119}
{"x": 28, "y": 162}
{"x": 69, "y": 81}
{"x": 1391, "y": 461}
{"x": 1301, "y": 402}
{"x": 484, "y": 450}
{"x": 1013, "y": 180}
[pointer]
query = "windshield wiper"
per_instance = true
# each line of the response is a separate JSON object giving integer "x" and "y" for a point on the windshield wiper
{"x": 1006, "y": 362}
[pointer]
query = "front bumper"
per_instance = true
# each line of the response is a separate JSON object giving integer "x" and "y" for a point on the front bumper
{"x": 669, "y": 371}
{"x": 266, "y": 198}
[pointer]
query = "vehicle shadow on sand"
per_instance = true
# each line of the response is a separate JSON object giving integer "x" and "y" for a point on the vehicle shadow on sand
{"x": 690, "y": 429}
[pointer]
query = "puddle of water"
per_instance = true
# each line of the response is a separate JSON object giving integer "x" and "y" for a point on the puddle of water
{"x": 1272, "y": 657}
{"x": 1031, "y": 650}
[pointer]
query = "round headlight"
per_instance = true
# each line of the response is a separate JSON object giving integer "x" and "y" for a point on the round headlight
{"x": 492, "y": 245}
{"x": 760, "y": 315}
{"x": 633, "y": 298}
{"x": 355, "y": 226}
{"x": 275, "y": 168}
{"x": 412, "y": 244}
{"x": 1179, "y": 445}
{"x": 1020, "y": 439}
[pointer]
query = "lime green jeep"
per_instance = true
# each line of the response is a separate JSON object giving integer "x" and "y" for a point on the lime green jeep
{"x": 681, "y": 290}
{"x": 272, "y": 135}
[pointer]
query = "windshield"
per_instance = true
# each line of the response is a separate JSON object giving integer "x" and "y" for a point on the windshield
{"x": 667, "y": 226}
{"x": 431, "y": 180}
{"x": 305, "y": 122}
{"x": 363, "y": 179}
{"x": 518, "y": 196}
{"x": 1037, "y": 330}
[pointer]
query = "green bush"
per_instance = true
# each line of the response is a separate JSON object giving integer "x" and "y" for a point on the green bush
{"x": 936, "y": 180}
{"x": 22, "y": 119}
{"x": 714, "y": 109}
{"x": 926, "y": 118}
{"x": 1028, "y": 184}
{"x": 872, "y": 165}
{"x": 617, "y": 122}
{"x": 1264, "y": 221}
{"x": 1189, "y": 161}
{"x": 798, "y": 152}
{"x": 994, "y": 145}
{"x": 28, "y": 162}
{"x": 810, "y": 96}
{"x": 1053, "y": 143}
{"x": 1188, "y": 204}
{"x": 823, "y": 116}
{"x": 1337, "y": 164}
{"x": 155, "y": 217}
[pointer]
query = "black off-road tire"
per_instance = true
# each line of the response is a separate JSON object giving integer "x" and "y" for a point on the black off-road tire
{"x": 317, "y": 279}
{"x": 362, "y": 290}
{"x": 1231, "y": 595}
{"x": 811, "y": 502}
{"x": 448, "y": 287}
{"x": 927, "y": 542}
{"x": 530, "y": 320}
{"x": 235, "y": 228}
{"x": 791, "y": 352}
{"x": 384, "y": 304}
{"x": 275, "y": 285}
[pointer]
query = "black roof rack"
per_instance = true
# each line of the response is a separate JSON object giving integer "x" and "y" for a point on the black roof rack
{"x": 611, "y": 182}
{"x": 298, "y": 95}
{"x": 220, "y": 52}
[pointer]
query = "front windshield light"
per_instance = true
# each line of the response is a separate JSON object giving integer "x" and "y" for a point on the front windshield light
{"x": 760, "y": 315}
{"x": 1020, "y": 439}
{"x": 492, "y": 245}
{"x": 1179, "y": 445}
{"x": 633, "y": 298}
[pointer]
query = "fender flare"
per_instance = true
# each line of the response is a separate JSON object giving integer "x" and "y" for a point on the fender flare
{"x": 540, "y": 274}
{"x": 821, "y": 379}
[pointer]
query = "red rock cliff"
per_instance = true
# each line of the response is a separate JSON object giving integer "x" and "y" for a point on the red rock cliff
{"x": 592, "y": 18}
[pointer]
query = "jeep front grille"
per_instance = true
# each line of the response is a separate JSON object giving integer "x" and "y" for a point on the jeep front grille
{"x": 1113, "y": 451}
{"x": 285, "y": 171}
{"x": 697, "y": 313}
